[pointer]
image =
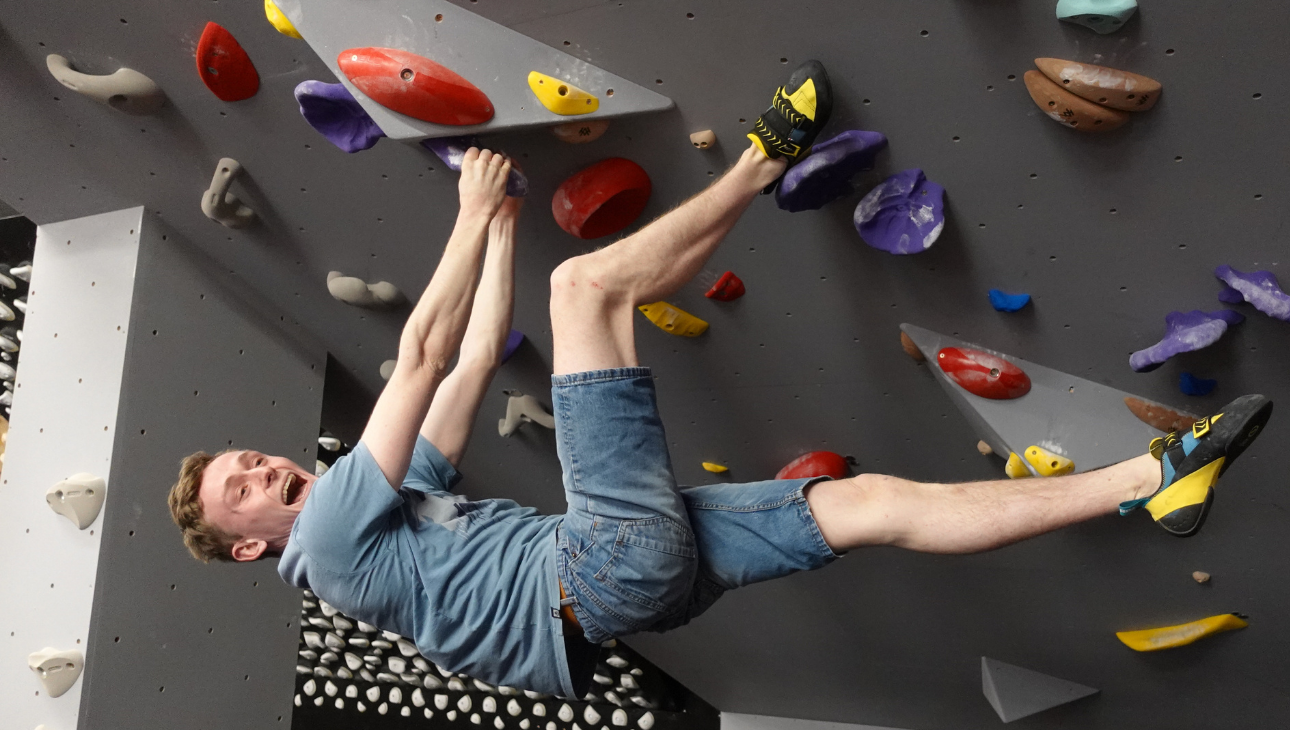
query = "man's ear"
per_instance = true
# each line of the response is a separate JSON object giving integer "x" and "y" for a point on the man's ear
{"x": 246, "y": 549}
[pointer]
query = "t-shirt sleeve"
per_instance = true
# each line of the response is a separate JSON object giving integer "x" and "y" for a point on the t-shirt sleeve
{"x": 430, "y": 470}
{"x": 347, "y": 514}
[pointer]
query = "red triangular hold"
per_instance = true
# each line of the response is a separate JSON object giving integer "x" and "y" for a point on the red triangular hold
{"x": 727, "y": 289}
{"x": 416, "y": 86}
{"x": 224, "y": 67}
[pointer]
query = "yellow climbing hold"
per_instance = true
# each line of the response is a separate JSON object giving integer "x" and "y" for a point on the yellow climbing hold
{"x": 674, "y": 319}
{"x": 1048, "y": 464}
{"x": 1016, "y": 468}
{"x": 279, "y": 19}
{"x": 562, "y": 97}
{"x": 715, "y": 468}
{"x": 1169, "y": 637}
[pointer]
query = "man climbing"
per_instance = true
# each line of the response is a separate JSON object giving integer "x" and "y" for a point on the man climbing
{"x": 501, "y": 593}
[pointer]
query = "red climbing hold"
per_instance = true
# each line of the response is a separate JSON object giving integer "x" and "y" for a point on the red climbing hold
{"x": 727, "y": 289}
{"x": 415, "y": 86}
{"x": 224, "y": 67}
{"x": 602, "y": 199}
{"x": 983, "y": 374}
{"x": 815, "y": 464}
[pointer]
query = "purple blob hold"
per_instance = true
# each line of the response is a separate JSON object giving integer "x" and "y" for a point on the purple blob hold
{"x": 337, "y": 115}
{"x": 1259, "y": 288}
{"x": 904, "y": 214}
{"x": 825, "y": 174}
{"x": 453, "y": 149}
{"x": 513, "y": 341}
{"x": 1184, "y": 332}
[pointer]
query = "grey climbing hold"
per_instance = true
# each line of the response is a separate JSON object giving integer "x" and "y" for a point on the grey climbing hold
{"x": 78, "y": 498}
{"x": 222, "y": 206}
{"x": 125, "y": 89}
{"x": 355, "y": 291}
{"x": 521, "y": 409}
{"x": 1102, "y": 16}
{"x": 56, "y": 670}
{"x": 1015, "y": 692}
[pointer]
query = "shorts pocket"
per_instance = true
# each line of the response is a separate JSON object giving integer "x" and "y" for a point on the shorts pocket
{"x": 651, "y": 570}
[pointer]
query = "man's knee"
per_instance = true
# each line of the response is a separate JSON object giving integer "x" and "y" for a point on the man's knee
{"x": 579, "y": 283}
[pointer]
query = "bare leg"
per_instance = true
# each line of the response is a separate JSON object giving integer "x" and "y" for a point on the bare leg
{"x": 872, "y": 509}
{"x": 594, "y": 296}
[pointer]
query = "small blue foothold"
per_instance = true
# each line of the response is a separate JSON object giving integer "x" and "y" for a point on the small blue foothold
{"x": 1004, "y": 302}
{"x": 513, "y": 341}
{"x": 1101, "y": 16}
{"x": 1192, "y": 385}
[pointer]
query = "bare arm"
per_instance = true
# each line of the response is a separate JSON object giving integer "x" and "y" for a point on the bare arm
{"x": 434, "y": 331}
{"x": 452, "y": 413}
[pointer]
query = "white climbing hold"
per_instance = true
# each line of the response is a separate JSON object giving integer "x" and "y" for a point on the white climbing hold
{"x": 78, "y": 498}
{"x": 351, "y": 691}
{"x": 420, "y": 663}
{"x": 521, "y": 409}
{"x": 344, "y": 673}
{"x": 475, "y": 718}
{"x": 398, "y": 665}
{"x": 616, "y": 661}
{"x": 330, "y": 689}
{"x": 222, "y": 206}
{"x": 355, "y": 291}
{"x": 373, "y": 694}
{"x": 387, "y": 369}
{"x": 599, "y": 678}
{"x": 456, "y": 685}
{"x": 646, "y": 721}
{"x": 406, "y": 712}
{"x": 418, "y": 698}
{"x": 318, "y": 701}
{"x": 340, "y": 704}
{"x": 534, "y": 695}
{"x": 627, "y": 681}
{"x": 551, "y": 725}
{"x": 330, "y": 443}
{"x": 313, "y": 640}
{"x": 432, "y": 682}
{"x": 484, "y": 686}
{"x": 464, "y": 704}
{"x": 565, "y": 713}
{"x": 327, "y": 609}
{"x": 497, "y": 723}
{"x": 333, "y": 641}
{"x": 409, "y": 678}
{"x": 619, "y": 718}
{"x": 429, "y": 713}
{"x": 323, "y": 672}
{"x": 637, "y": 672}
{"x": 382, "y": 708}
{"x": 513, "y": 708}
{"x": 441, "y": 702}
{"x": 328, "y": 657}
{"x": 297, "y": 700}
{"x": 353, "y": 661}
{"x": 539, "y": 710}
{"x": 125, "y": 89}
{"x": 590, "y": 715}
{"x": 302, "y": 669}
{"x": 609, "y": 643}
{"x": 489, "y": 705}
{"x": 359, "y": 641}
{"x": 452, "y": 715}
{"x": 361, "y": 707}
{"x": 525, "y": 724}
{"x": 321, "y": 623}
{"x": 310, "y": 687}
{"x": 613, "y": 697}
{"x": 507, "y": 691}
{"x": 366, "y": 627}
{"x": 320, "y": 468}
{"x": 408, "y": 649}
{"x": 382, "y": 644}
{"x": 387, "y": 677}
{"x": 366, "y": 675}
{"x": 396, "y": 696}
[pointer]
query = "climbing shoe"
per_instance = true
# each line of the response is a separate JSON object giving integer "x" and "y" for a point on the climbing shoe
{"x": 797, "y": 113}
{"x": 1192, "y": 462}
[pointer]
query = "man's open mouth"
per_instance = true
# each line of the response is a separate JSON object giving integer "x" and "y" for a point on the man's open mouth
{"x": 292, "y": 489}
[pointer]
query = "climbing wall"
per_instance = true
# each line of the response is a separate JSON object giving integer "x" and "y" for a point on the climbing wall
{"x": 1107, "y": 233}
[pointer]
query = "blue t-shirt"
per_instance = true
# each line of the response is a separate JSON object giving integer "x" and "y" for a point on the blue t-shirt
{"x": 472, "y": 583}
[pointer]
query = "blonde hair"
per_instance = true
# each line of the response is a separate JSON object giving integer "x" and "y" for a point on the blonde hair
{"x": 203, "y": 539}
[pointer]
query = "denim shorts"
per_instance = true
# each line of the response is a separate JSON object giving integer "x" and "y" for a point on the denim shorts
{"x": 634, "y": 551}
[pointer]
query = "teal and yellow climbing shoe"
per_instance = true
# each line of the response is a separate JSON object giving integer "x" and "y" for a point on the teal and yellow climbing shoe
{"x": 1192, "y": 462}
{"x": 797, "y": 113}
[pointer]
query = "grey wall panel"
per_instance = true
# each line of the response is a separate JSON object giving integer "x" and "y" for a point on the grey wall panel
{"x": 809, "y": 358}
{"x": 175, "y": 643}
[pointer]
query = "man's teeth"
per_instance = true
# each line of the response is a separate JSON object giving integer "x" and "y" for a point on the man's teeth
{"x": 286, "y": 487}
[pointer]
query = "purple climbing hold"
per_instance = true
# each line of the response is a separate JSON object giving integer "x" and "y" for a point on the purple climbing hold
{"x": 1184, "y": 332}
{"x": 453, "y": 149}
{"x": 1259, "y": 288}
{"x": 337, "y": 115}
{"x": 513, "y": 341}
{"x": 904, "y": 214}
{"x": 825, "y": 174}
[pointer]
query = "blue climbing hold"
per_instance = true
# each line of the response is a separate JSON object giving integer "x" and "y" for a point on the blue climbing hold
{"x": 825, "y": 174}
{"x": 1192, "y": 385}
{"x": 513, "y": 341}
{"x": 1005, "y": 302}
{"x": 337, "y": 115}
{"x": 1102, "y": 16}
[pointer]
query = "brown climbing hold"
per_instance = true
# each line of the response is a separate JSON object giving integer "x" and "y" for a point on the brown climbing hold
{"x": 910, "y": 348}
{"x": 1070, "y": 110}
{"x": 1111, "y": 87}
{"x": 703, "y": 140}
{"x": 1161, "y": 418}
{"x": 984, "y": 448}
{"x": 1200, "y": 576}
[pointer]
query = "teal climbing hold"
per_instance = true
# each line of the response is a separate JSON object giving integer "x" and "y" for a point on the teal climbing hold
{"x": 1102, "y": 16}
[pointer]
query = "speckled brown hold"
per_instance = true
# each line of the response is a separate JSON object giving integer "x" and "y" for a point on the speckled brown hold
{"x": 984, "y": 448}
{"x": 1200, "y": 576}
{"x": 1161, "y": 418}
{"x": 1066, "y": 108}
{"x": 1111, "y": 87}
{"x": 910, "y": 348}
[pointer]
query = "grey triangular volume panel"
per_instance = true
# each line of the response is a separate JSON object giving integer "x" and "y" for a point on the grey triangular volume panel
{"x": 1084, "y": 421}
{"x": 1016, "y": 692}
{"x": 489, "y": 55}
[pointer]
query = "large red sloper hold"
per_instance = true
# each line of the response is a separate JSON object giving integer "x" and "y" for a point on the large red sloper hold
{"x": 224, "y": 67}
{"x": 416, "y": 86}
{"x": 602, "y": 199}
{"x": 983, "y": 374}
{"x": 815, "y": 464}
{"x": 727, "y": 289}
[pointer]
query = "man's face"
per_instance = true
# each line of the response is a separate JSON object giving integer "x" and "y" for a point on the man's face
{"x": 256, "y": 496}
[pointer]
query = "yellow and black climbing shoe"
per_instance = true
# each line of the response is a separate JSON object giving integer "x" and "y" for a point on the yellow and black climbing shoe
{"x": 797, "y": 113}
{"x": 1191, "y": 463}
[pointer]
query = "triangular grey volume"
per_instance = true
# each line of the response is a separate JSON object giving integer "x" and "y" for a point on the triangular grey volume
{"x": 489, "y": 55}
{"x": 1084, "y": 421}
{"x": 1016, "y": 692}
